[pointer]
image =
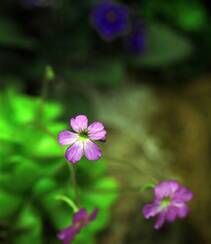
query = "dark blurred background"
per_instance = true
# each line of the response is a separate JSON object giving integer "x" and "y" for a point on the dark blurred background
{"x": 153, "y": 94}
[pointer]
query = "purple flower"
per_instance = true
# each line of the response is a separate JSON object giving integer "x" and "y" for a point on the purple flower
{"x": 82, "y": 141}
{"x": 169, "y": 204}
{"x": 80, "y": 220}
{"x": 110, "y": 19}
{"x": 135, "y": 41}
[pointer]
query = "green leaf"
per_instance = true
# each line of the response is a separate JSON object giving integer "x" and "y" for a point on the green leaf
{"x": 18, "y": 109}
{"x": 9, "y": 204}
{"x": 165, "y": 47}
{"x": 102, "y": 72}
{"x": 59, "y": 212}
{"x": 147, "y": 186}
{"x": 44, "y": 186}
{"x": 6, "y": 129}
{"x": 191, "y": 17}
{"x": 44, "y": 146}
{"x": 86, "y": 175}
{"x": 52, "y": 110}
{"x": 25, "y": 176}
{"x": 104, "y": 200}
{"x": 5, "y": 181}
{"x": 29, "y": 227}
{"x": 24, "y": 109}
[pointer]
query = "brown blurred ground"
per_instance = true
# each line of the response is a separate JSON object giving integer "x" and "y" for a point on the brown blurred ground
{"x": 165, "y": 134}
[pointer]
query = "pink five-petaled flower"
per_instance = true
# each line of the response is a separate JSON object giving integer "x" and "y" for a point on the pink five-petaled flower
{"x": 81, "y": 143}
{"x": 80, "y": 220}
{"x": 169, "y": 203}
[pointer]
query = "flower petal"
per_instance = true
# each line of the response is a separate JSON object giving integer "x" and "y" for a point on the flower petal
{"x": 81, "y": 214}
{"x": 166, "y": 189}
{"x": 92, "y": 151}
{"x": 106, "y": 27}
{"x": 80, "y": 219}
{"x": 182, "y": 212}
{"x": 75, "y": 152}
{"x": 150, "y": 210}
{"x": 79, "y": 123}
{"x": 67, "y": 235}
{"x": 93, "y": 215}
{"x": 160, "y": 221}
{"x": 171, "y": 214}
{"x": 183, "y": 194}
{"x": 96, "y": 131}
{"x": 67, "y": 137}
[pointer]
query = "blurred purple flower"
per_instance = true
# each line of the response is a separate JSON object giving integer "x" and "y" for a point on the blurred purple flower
{"x": 110, "y": 19}
{"x": 135, "y": 41}
{"x": 169, "y": 204}
{"x": 82, "y": 141}
{"x": 80, "y": 220}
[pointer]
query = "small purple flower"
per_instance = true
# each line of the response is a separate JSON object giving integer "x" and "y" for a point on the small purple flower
{"x": 82, "y": 141}
{"x": 136, "y": 39}
{"x": 169, "y": 204}
{"x": 110, "y": 19}
{"x": 80, "y": 220}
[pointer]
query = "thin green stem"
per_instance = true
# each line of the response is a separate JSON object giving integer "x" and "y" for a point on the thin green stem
{"x": 68, "y": 201}
{"x": 74, "y": 182}
{"x": 48, "y": 75}
{"x": 43, "y": 96}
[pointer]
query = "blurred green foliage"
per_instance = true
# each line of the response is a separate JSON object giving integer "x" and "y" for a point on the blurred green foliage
{"x": 12, "y": 36}
{"x": 33, "y": 171}
{"x": 168, "y": 48}
{"x": 61, "y": 34}
{"x": 32, "y": 167}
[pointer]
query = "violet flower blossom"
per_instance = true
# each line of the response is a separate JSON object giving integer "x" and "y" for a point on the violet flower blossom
{"x": 136, "y": 39}
{"x": 81, "y": 143}
{"x": 169, "y": 203}
{"x": 110, "y": 19}
{"x": 80, "y": 220}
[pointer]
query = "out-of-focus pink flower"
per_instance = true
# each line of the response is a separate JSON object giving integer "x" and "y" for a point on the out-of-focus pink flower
{"x": 80, "y": 220}
{"x": 169, "y": 203}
